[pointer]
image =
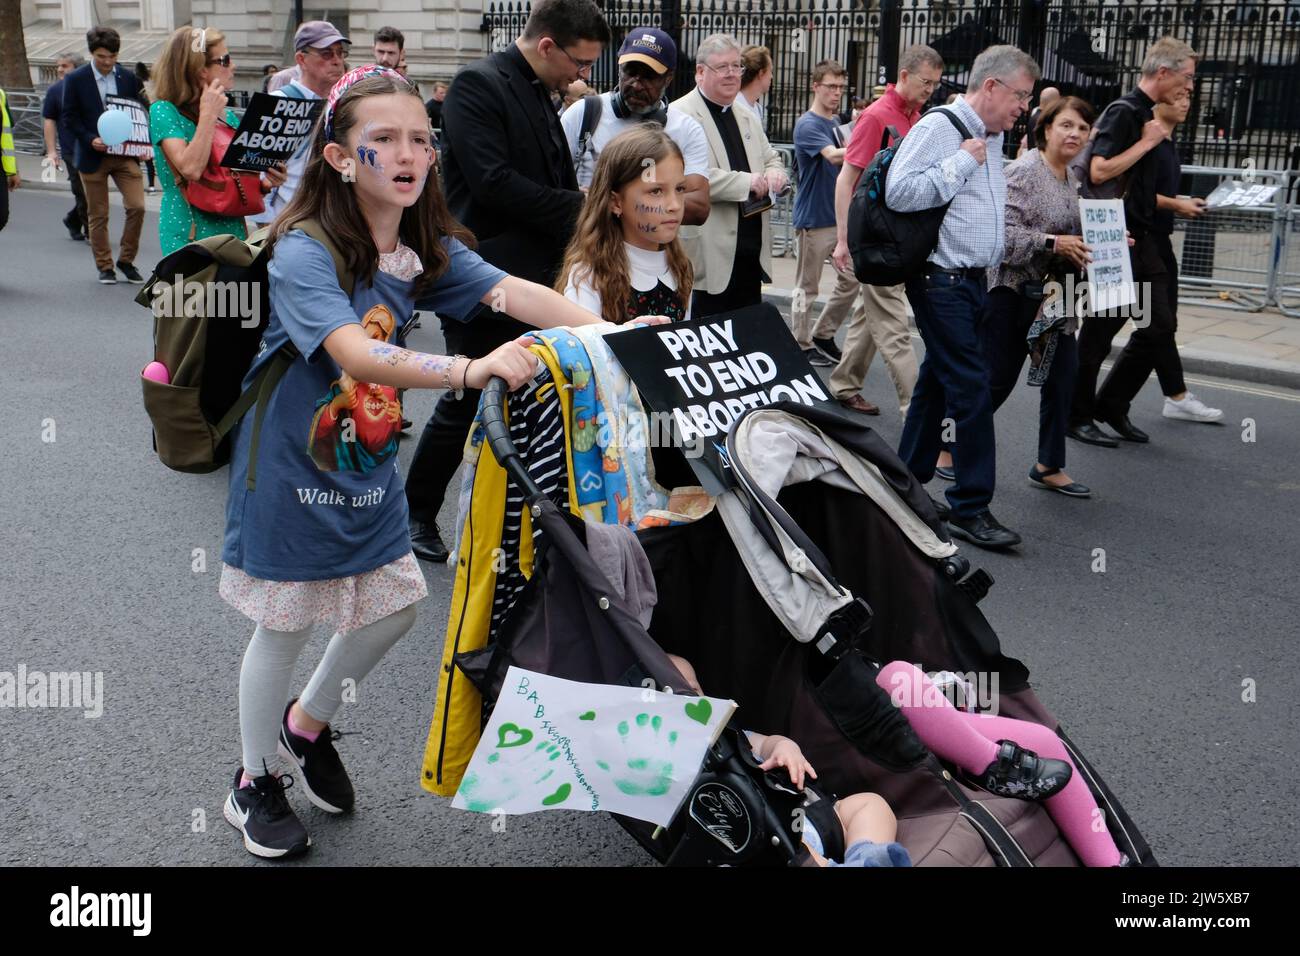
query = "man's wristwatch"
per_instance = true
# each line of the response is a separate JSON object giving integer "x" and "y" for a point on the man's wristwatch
{"x": 1050, "y": 244}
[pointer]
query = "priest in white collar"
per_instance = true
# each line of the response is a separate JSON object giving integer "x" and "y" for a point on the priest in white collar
{"x": 732, "y": 250}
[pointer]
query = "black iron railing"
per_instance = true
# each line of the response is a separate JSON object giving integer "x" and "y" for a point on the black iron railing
{"x": 1246, "y": 106}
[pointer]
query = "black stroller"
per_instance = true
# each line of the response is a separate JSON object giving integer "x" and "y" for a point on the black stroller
{"x": 854, "y": 567}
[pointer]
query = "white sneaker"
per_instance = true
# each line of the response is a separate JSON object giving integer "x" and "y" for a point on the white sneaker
{"x": 1191, "y": 409}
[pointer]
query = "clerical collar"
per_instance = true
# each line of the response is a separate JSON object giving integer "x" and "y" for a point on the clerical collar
{"x": 524, "y": 66}
{"x": 715, "y": 105}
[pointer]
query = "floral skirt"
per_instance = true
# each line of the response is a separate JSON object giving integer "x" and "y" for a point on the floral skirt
{"x": 346, "y": 604}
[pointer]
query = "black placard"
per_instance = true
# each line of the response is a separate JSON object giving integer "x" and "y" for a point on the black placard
{"x": 271, "y": 131}
{"x": 138, "y": 145}
{"x": 707, "y": 373}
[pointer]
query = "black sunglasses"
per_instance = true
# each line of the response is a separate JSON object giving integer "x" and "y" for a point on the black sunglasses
{"x": 224, "y": 60}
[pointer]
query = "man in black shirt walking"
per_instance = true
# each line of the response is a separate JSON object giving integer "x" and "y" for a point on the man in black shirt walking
{"x": 1127, "y": 136}
{"x": 509, "y": 179}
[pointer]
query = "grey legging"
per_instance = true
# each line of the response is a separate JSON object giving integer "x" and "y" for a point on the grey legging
{"x": 268, "y": 669}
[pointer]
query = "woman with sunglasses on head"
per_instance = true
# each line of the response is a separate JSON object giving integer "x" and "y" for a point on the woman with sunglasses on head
{"x": 192, "y": 78}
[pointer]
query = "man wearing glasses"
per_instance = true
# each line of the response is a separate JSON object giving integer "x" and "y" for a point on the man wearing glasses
{"x": 880, "y": 320}
{"x": 1125, "y": 148}
{"x": 938, "y": 164}
{"x": 732, "y": 251}
{"x": 321, "y": 54}
{"x": 508, "y": 177}
{"x": 646, "y": 62}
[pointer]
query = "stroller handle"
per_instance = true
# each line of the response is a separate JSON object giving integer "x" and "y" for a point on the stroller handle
{"x": 498, "y": 439}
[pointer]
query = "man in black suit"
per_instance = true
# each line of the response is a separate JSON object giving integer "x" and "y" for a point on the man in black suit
{"x": 508, "y": 177}
{"x": 84, "y": 92}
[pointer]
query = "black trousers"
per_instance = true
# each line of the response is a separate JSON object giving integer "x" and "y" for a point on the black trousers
{"x": 1004, "y": 330}
{"x": 438, "y": 454}
{"x": 77, "y": 215}
{"x": 745, "y": 288}
{"x": 1150, "y": 348}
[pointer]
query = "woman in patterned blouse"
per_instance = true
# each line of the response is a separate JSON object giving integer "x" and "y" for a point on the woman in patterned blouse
{"x": 1044, "y": 252}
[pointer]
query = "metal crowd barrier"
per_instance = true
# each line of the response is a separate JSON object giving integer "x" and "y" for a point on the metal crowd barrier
{"x": 1288, "y": 269}
{"x": 1230, "y": 257}
{"x": 783, "y": 239}
{"x": 28, "y": 124}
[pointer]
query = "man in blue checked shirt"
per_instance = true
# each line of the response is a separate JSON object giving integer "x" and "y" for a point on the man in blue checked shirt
{"x": 934, "y": 165}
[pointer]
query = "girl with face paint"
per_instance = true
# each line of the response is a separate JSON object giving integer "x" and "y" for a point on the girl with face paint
{"x": 322, "y": 535}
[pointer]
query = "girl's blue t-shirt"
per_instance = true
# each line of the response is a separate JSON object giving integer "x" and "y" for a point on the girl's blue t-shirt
{"x": 330, "y": 501}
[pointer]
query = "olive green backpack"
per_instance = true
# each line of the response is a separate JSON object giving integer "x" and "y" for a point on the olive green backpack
{"x": 211, "y": 305}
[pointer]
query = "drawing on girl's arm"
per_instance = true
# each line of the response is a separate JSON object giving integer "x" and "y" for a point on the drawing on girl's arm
{"x": 423, "y": 362}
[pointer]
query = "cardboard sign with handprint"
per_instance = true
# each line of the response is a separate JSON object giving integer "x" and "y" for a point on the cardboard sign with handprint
{"x": 556, "y": 744}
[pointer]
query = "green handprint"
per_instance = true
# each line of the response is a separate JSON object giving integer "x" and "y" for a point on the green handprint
{"x": 644, "y": 768}
{"x": 515, "y": 769}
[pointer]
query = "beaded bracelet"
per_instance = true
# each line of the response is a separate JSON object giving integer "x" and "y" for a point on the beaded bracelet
{"x": 446, "y": 374}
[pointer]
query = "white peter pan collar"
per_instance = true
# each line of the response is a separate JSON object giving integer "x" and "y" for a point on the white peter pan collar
{"x": 648, "y": 269}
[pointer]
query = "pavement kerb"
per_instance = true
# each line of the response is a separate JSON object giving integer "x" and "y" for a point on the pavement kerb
{"x": 1260, "y": 371}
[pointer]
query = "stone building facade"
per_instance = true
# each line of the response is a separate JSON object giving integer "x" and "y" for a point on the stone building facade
{"x": 441, "y": 35}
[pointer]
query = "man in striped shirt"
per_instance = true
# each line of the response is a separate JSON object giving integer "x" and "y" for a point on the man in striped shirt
{"x": 935, "y": 165}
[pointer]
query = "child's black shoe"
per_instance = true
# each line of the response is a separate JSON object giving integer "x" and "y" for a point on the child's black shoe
{"x": 324, "y": 779}
{"x": 261, "y": 813}
{"x": 1023, "y": 774}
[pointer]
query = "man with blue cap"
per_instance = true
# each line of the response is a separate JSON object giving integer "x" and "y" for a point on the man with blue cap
{"x": 646, "y": 61}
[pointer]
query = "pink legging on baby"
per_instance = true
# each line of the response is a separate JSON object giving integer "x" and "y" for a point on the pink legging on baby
{"x": 970, "y": 741}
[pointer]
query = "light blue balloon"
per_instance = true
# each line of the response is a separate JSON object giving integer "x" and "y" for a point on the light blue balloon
{"x": 114, "y": 127}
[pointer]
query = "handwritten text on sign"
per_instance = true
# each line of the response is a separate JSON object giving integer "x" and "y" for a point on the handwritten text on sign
{"x": 554, "y": 744}
{"x": 1110, "y": 273}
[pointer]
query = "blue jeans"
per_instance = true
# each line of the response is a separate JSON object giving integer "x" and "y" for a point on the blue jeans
{"x": 954, "y": 381}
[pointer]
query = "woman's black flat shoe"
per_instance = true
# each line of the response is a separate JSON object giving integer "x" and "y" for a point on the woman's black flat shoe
{"x": 947, "y": 474}
{"x": 1023, "y": 774}
{"x": 1073, "y": 489}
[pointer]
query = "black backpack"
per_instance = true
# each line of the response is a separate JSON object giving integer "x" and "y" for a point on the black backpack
{"x": 891, "y": 247}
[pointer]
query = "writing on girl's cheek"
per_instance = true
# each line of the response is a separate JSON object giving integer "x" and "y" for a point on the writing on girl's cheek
{"x": 656, "y": 210}
{"x": 423, "y": 362}
{"x": 646, "y": 226}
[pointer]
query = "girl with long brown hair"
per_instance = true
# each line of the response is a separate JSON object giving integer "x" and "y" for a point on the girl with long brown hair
{"x": 624, "y": 260}
{"x": 322, "y": 534}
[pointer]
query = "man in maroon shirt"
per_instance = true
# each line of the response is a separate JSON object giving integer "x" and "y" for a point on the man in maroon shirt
{"x": 880, "y": 321}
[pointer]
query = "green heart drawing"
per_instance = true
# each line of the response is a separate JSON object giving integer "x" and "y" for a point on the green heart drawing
{"x": 559, "y": 796}
{"x": 589, "y": 715}
{"x": 701, "y": 710}
{"x": 523, "y": 735}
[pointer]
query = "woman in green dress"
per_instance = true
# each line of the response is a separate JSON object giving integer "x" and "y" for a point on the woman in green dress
{"x": 192, "y": 78}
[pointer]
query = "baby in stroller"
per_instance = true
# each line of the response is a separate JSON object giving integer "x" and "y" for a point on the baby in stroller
{"x": 989, "y": 748}
{"x": 869, "y": 824}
